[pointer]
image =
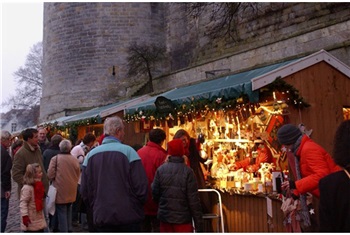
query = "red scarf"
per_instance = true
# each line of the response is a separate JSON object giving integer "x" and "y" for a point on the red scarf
{"x": 39, "y": 192}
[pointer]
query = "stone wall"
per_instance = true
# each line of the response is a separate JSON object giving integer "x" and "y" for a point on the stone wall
{"x": 82, "y": 41}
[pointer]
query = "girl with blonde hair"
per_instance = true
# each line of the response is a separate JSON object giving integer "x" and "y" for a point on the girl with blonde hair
{"x": 32, "y": 200}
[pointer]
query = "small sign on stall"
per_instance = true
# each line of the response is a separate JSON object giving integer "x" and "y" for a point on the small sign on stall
{"x": 164, "y": 105}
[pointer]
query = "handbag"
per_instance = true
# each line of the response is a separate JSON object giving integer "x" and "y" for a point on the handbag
{"x": 51, "y": 200}
{"x": 51, "y": 196}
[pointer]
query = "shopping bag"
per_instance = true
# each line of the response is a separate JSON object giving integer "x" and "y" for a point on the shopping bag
{"x": 51, "y": 200}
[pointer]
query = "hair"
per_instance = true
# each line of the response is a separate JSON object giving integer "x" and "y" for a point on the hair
{"x": 29, "y": 133}
{"x": 341, "y": 149}
{"x": 137, "y": 147}
{"x": 180, "y": 133}
{"x": 5, "y": 135}
{"x": 65, "y": 146}
{"x": 16, "y": 144}
{"x": 41, "y": 128}
{"x": 88, "y": 138}
{"x": 55, "y": 140}
{"x": 112, "y": 125}
{"x": 29, "y": 175}
{"x": 157, "y": 135}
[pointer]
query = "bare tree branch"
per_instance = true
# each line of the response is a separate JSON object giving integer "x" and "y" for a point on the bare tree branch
{"x": 29, "y": 80}
{"x": 143, "y": 59}
{"x": 223, "y": 16}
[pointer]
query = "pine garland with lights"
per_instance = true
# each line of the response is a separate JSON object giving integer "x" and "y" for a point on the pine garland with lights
{"x": 202, "y": 106}
{"x": 279, "y": 85}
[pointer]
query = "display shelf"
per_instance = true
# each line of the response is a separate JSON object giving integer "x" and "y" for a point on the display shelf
{"x": 231, "y": 140}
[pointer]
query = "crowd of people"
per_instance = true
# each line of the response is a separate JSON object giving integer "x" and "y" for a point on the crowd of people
{"x": 112, "y": 187}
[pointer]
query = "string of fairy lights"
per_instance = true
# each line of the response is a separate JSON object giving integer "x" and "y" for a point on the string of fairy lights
{"x": 240, "y": 106}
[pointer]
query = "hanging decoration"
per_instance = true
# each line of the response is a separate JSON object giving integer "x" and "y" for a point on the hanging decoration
{"x": 279, "y": 92}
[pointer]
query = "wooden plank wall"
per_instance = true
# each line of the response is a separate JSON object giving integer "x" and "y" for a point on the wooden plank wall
{"x": 248, "y": 213}
{"x": 327, "y": 91}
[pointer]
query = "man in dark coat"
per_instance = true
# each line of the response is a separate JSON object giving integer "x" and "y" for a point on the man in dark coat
{"x": 6, "y": 165}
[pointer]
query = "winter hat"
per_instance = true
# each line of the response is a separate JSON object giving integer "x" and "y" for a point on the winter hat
{"x": 176, "y": 148}
{"x": 288, "y": 134}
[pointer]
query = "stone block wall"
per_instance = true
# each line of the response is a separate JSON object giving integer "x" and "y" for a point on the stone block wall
{"x": 83, "y": 41}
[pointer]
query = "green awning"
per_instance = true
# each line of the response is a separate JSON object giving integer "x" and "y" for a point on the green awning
{"x": 102, "y": 112}
{"x": 92, "y": 113}
{"x": 229, "y": 87}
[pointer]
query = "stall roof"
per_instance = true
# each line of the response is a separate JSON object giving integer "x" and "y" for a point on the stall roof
{"x": 288, "y": 69}
{"x": 231, "y": 86}
{"x": 106, "y": 110}
{"x": 92, "y": 113}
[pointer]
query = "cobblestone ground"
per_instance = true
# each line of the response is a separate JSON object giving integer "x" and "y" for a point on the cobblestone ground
{"x": 13, "y": 219}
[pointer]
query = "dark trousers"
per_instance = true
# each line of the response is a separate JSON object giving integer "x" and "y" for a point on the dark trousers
{"x": 151, "y": 224}
{"x": 38, "y": 231}
{"x": 128, "y": 228}
{"x": 4, "y": 213}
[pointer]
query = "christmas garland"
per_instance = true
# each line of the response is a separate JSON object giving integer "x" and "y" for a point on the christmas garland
{"x": 201, "y": 106}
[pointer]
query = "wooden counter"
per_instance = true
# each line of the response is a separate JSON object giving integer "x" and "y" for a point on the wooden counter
{"x": 248, "y": 213}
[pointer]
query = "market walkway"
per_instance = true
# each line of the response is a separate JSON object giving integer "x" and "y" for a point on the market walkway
{"x": 13, "y": 219}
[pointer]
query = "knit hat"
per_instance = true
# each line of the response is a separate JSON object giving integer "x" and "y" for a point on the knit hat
{"x": 176, "y": 148}
{"x": 288, "y": 134}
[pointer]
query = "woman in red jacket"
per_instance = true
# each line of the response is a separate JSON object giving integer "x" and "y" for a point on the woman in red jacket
{"x": 312, "y": 163}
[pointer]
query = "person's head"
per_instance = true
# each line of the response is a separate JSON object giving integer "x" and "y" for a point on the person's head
{"x": 184, "y": 136}
{"x": 33, "y": 173}
{"x": 42, "y": 134}
{"x": 16, "y": 145}
{"x": 157, "y": 136}
{"x": 341, "y": 148}
{"x": 288, "y": 134}
{"x": 176, "y": 148}
{"x": 31, "y": 136}
{"x": 114, "y": 126}
{"x": 65, "y": 146}
{"x": 55, "y": 141}
{"x": 5, "y": 139}
{"x": 89, "y": 139}
{"x": 136, "y": 147}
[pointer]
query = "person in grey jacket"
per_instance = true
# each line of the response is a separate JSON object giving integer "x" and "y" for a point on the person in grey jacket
{"x": 175, "y": 188}
{"x": 114, "y": 183}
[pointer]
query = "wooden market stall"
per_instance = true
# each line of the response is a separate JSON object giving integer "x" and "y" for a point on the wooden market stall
{"x": 324, "y": 82}
{"x": 232, "y": 111}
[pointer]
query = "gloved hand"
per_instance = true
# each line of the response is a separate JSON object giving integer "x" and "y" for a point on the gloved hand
{"x": 26, "y": 220}
{"x": 292, "y": 184}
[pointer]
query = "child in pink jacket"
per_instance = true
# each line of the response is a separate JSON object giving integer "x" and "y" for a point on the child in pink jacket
{"x": 32, "y": 200}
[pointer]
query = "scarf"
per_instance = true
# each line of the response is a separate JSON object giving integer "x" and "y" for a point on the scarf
{"x": 304, "y": 213}
{"x": 39, "y": 192}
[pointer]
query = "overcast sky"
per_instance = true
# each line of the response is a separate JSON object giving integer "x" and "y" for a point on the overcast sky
{"x": 21, "y": 28}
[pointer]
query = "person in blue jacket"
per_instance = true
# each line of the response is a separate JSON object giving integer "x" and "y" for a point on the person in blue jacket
{"x": 114, "y": 184}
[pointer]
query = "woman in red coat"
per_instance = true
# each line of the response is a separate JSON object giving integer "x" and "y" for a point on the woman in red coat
{"x": 312, "y": 163}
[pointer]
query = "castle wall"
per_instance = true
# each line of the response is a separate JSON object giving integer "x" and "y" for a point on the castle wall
{"x": 82, "y": 41}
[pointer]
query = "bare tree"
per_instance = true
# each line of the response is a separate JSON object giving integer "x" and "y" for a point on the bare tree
{"x": 223, "y": 16}
{"x": 29, "y": 80}
{"x": 143, "y": 59}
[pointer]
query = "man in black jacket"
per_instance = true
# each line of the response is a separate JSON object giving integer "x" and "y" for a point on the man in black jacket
{"x": 6, "y": 165}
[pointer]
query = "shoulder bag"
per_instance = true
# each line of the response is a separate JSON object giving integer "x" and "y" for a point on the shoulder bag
{"x": 51, "y": 196}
